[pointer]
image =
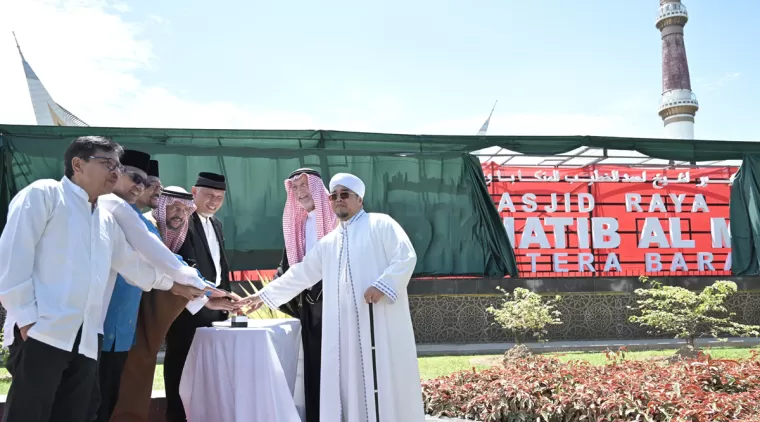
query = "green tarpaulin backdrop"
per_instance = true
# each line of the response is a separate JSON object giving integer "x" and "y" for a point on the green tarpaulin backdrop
{"x": 745, "y": 218}
{"x": 430, "y": 184}
{"x": 435, "y": 190}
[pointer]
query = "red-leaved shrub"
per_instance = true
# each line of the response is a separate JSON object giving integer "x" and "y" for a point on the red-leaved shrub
{"x": 540, "y": 388}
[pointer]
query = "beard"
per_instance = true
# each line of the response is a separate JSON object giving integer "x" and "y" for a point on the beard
{"x": 174, "y": 223}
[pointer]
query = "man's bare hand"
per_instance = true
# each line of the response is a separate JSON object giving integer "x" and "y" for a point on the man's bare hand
{"x": 251, "y": 303}
{"x": 188, "y": 292}
{"x": 234, "y": 298}
{"x": 373, "y": 295}
{"x": 25, "y": 331}
{"x": 216, "y": 293}
{"x": 222, "y": 304}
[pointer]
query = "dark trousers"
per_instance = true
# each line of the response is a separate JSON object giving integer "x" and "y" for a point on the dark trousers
{"x": 311, "y": 335}
{"x": 307, "y": 307}
{"x": 177, "y": 347}
{"x": 158, "y": 309}
{"x": 49, "y": 384}
{"x": 179, "y": 338}
{"x": 109, "y": 376}
{"x": 92, "y": 412}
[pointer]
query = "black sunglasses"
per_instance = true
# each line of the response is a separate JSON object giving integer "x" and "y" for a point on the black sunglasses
{"x": 342, "y": 195}
{"x": 138, "y": 179}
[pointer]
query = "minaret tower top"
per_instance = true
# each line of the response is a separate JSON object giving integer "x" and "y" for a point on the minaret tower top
{"x": 678, "y": 104}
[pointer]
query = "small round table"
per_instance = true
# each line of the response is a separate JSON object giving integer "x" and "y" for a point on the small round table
{"x": 245, "y": 374}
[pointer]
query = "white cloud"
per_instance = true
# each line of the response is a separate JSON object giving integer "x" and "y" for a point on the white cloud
{"x": 88, "y": 55}
{"x": 118, "y": 6}
{"x": 157, "y": 19}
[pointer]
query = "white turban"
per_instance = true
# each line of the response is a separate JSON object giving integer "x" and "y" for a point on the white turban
{"x": 348, "y": 181}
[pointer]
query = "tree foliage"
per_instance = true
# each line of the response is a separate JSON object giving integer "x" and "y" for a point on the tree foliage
{"x": 4, "y": 352}
{"x": 687, "y": 314}
{"x": 525, "y": 312}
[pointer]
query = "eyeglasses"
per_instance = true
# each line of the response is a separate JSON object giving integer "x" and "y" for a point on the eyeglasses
{"x": 109, "y": 163}
{"x": 138, "y": 179}
{"x": 342, "y": 195}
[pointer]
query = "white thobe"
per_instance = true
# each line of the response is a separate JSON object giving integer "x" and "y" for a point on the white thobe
{"x": 311, "y": 231}
{"x": 379, "y": 254}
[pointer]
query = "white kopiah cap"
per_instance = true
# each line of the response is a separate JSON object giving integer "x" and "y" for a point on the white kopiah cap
{"x": 348, "y": 181}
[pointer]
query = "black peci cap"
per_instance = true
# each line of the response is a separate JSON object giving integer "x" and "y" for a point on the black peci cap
{"x": 211, "y": 180}
{"x": 137, "y": 159}
{"x": 153, "y": 168}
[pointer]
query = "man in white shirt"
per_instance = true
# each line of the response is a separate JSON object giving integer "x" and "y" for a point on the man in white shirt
{"x": 206, "y": 238}
{"x": 60, "y": 248}
{"x": 306, "y": 219}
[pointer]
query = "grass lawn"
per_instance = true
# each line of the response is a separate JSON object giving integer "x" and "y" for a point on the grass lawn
{"x": 431, "y": 367}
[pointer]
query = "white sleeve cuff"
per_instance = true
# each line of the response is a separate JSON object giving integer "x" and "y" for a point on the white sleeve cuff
{"x": 267, "y": 300}
{"x": 387, "y": 290}
{"x": 196, "y": 305}
{"x": 191, "y": 278}
{"x": 164, "y": 283}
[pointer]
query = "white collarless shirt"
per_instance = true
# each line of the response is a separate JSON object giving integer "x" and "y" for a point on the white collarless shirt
{"x": 58, "y": 253}
{"x": 311, "y": 230}
{"x": 213, "y": 245}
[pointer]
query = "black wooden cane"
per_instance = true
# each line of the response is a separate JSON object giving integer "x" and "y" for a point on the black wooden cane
{"x": 374, "y": 360}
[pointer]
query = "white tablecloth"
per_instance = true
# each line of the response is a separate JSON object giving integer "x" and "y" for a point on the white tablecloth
{"x": 245, "y": 374}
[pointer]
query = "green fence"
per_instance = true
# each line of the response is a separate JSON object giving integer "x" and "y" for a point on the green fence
{"x": 435, "y": 190}
{"x": 430, "y": 184}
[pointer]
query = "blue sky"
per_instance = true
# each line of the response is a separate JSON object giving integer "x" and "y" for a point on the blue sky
{"x": 391, "y": 66}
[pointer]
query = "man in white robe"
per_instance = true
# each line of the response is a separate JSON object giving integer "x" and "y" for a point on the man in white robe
{"x": 368, "y": 259}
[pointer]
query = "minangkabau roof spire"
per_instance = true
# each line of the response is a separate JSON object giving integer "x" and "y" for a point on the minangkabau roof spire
{"x": 46, "y": 110}
{"x": 17, "y": 46}
{"x": 484, "y": 129}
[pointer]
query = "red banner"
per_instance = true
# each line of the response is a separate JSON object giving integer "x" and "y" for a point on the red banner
{"x": 615, "y": 220}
